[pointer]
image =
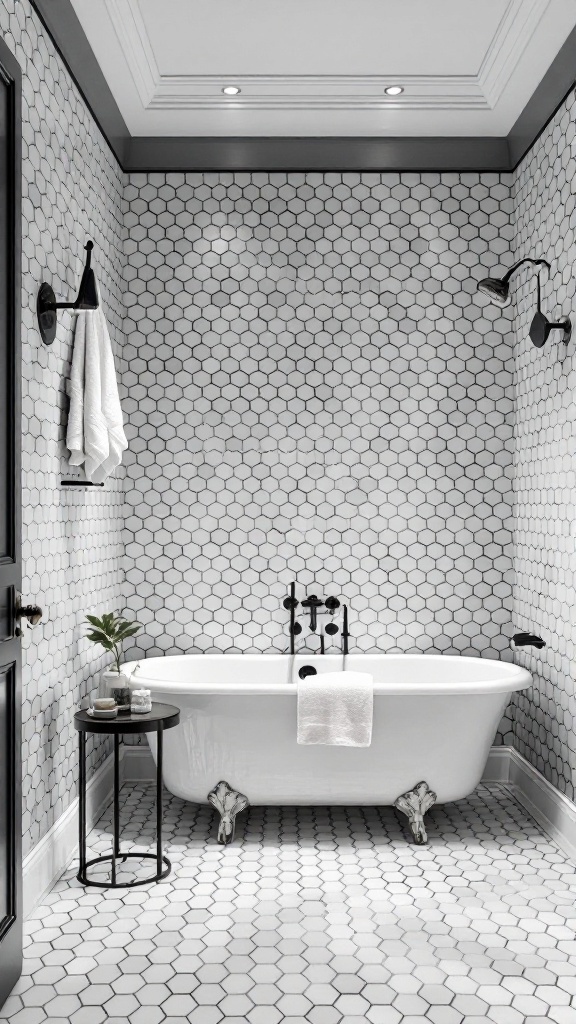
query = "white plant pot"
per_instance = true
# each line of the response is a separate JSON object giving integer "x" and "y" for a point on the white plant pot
{"x": 112, "y": 680}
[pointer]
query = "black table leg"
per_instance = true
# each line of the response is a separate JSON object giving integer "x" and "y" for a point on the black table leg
{"x": 163, "y": 865}
{"x": 159, "y": 753}
{"x": 82, "y": 807}
{"x": 116, "y": 820}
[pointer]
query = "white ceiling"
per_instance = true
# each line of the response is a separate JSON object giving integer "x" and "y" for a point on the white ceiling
{"x": 320, "y": 67}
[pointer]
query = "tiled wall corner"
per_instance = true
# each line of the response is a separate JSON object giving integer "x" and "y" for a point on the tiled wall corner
{"x": 545, "y": 476}
{"x": 72, "y": 190}
{"x": 315, "y": 390}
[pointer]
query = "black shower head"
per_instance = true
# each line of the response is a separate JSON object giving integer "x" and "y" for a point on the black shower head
{"x": 496, "y": 289}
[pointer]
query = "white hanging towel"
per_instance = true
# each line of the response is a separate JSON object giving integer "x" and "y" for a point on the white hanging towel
{"x": 336, "y": 709}
{"x": 95, "y": 434}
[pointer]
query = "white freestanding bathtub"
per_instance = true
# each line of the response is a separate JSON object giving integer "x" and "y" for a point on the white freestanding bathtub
{"x": 435, "y": 718}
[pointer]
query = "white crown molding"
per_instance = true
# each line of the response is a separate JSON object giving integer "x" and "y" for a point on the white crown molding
{"x": 312, "y": 92}
{"x": 126, "y": 17}
{"x": 325, "y": 92}
{"x": 317, "y": 92}
{"x": 516, "y": 29}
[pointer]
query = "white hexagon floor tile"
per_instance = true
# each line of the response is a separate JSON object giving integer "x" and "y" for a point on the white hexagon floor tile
{"x": 314, "y": 916}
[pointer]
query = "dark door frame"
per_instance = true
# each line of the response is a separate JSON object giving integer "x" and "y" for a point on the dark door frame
{"x": 10, "y": 654}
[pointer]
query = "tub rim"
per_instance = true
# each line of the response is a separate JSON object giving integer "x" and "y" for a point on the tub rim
{"x": 513, "y": 677}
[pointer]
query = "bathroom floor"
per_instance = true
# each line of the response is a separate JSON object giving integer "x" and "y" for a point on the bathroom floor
{"x": 314, "y": 916}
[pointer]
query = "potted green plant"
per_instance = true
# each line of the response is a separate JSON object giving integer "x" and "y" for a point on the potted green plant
{"x": 109, "y": 632}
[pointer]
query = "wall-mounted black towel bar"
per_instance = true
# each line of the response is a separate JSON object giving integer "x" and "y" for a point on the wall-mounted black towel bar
{"x": 46, "y": 305}
{"x": 78, "y": 483}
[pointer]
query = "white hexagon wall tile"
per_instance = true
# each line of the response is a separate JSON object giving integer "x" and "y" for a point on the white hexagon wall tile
{"x": 72, "y": 190}
{"x": 315, "y": 391}
{"x": 545, "y": 480}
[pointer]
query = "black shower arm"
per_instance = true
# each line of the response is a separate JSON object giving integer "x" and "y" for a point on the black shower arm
{"x": 535, "y": 263}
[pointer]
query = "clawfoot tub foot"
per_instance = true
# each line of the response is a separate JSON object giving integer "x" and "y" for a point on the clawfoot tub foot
{"x": 414, "y": 805}
{"x": 228, "y": 803}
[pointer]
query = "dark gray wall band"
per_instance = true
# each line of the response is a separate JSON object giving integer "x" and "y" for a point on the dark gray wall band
{"x": 157, "y": 153}
{"x": 61, "y": 21}
{"x": 316, "y": 154}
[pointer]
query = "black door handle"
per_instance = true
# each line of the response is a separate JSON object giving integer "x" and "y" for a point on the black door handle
{"x": 32, "y": 612}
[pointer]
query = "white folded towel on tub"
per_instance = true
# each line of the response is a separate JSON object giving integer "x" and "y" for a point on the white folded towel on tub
{"x": 336, "y": 709}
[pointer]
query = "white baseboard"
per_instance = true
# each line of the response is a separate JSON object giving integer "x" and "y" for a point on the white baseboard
{"x": 498, "y": 765}
{"x": 51, "y": 856}
{"x": 138, "y": 764}
{"x": 49, "y": 859}
{"x": 552, "y": 810}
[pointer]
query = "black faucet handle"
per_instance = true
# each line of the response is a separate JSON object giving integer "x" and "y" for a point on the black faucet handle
{"x": 290, "y": 603}
{"x": 332, "y": 603}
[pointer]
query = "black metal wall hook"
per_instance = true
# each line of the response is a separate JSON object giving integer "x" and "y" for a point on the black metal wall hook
{"x": 46, "y": 305}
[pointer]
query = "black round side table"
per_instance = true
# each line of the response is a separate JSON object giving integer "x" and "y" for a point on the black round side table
{"x": 162, "y": 716}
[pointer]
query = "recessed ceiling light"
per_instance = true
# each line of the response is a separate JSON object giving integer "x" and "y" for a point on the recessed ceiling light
{"x": 394, "y": 90}
{"x": 231, "y": 90}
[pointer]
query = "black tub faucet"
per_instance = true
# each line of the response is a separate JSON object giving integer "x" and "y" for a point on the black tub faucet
{"x": 291, "y": 604}
{"x": 528, "y": 640}
{"x": 313, "y": 603}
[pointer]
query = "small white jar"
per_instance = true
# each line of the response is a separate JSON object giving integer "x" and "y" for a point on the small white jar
{"x": 140, "y": 702}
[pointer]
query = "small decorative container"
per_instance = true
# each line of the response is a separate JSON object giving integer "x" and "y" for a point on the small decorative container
{"x": 103, "y": 713}
{"x": 122, "y": 696}
{"x": 141, "y": 702}
{"x": 111, "y": 681}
